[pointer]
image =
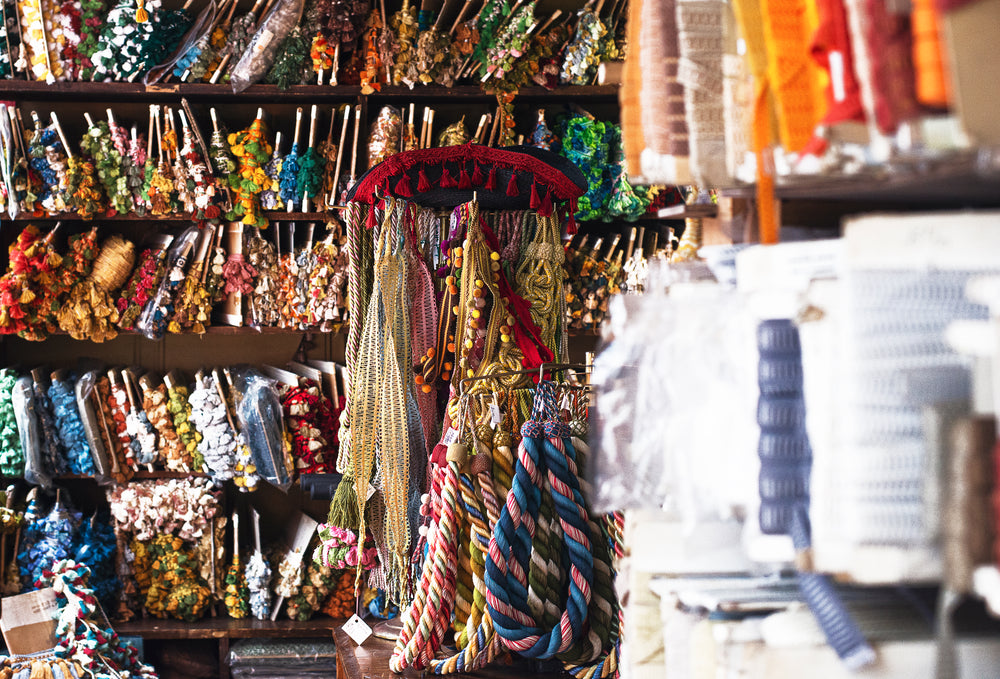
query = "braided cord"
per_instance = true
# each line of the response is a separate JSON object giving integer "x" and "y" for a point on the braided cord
{"x": 541, "y": 451}
{"x": 481, "y": 644}
{"x": 424, "y": 622}
{"x": 393, "y": 433}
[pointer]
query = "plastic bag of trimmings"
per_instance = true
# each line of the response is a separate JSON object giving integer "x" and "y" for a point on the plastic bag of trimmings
{"x": 259, "y": 56}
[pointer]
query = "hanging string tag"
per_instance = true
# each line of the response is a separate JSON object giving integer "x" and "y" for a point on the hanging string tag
{"x": 357, "y": 629}
{"x": 371, "y": 491}
{"x": 495, "y": 417}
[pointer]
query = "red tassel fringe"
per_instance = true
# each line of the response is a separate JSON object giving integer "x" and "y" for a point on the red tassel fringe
{"x": 491, "y": 180}
{"x": 447, "y": 181}
{"x": 477, "y": 175}
{"x": 463, "y": 179}
{"x": 403, "y": 189}
{"x": 512, "y": 184}
{"x": 534, "y": 202}
{"x": 423, "y": 184}
{"x": 545, "y": 208}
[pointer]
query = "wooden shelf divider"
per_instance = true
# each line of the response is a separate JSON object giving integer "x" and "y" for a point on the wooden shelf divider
{"x": 228, "y": 628}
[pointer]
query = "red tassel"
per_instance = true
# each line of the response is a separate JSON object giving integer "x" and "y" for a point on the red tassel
{"x": 477, "y": 175}
{"x": 447, "y": 182}
{"x": 491, "y": 180}
{"x": 571, "y": 224}
{"x": 534, "y": 202}
{"x": 545, "y": 209}
{"x": 423, "y": 184}
{"x": 463, "y": 179}
{"x": 403, "y": 189}
{"x": 370, "y": 222}
{"x": 512, "y": 184}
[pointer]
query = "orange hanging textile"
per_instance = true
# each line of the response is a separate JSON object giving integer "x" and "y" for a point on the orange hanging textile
{"x": 933, "y": 85}
{"x": 791, "y": 71}
{"x": 748, "y": 15}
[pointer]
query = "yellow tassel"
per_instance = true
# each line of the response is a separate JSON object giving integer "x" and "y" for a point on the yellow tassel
{"x": 141, "y": 15}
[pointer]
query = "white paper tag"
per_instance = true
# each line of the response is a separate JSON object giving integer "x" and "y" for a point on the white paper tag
{"x": 371, "y": 491}
{"x": 495, "y": 416}
{"x": 450, "y": 436}
{"x": 836, "y": 60}
{"x": 357, "y": 629}
{"x": 266, "y": 37}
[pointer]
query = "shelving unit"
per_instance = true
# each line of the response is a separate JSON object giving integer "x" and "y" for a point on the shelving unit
{"x": 221, "y": 631}
{"x": 227, "y": 345}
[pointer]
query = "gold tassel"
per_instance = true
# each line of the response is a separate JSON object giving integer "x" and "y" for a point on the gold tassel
{"x": 141, "y": 15}
{"x": 344, "y": 506}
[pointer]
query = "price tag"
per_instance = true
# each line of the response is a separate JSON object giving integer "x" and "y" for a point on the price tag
{"x": 371, "y": 491}
{"x": 450, "y": 436}
{"x": 495, "y": 416}
{"x": 357, "y": 629}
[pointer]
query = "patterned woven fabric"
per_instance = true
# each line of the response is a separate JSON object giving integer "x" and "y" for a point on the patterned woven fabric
{"x": 793, "y": 76}
{"x": 664, "y": 126}
{"x": 737, "y": 97}
{"x": 633, "y": 139}
{"x": 932, "y": 82}
{"x": 700, "y": 35}
{"x": 890, "y": 49}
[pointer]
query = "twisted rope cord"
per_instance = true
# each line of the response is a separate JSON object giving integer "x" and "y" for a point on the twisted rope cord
{"x": 482, "y": 644}
{"x": 423, "y": 627}
{"x": 541, "y": 449}
{"x": 605, "y": 613}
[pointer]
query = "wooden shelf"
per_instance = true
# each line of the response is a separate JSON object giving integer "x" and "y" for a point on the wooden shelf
{"x": 201, "y": 92}
{"x": 141, "y": 475}
{"x": 697, "y": 211}
{"x": 474, "y": 93}
{"x": 371, "y": 661}
{"x": 227, "y": 628}
{"x": 273, "y": 216}
{"x": 196, "y": 92}
{"x": 953, "y": 184}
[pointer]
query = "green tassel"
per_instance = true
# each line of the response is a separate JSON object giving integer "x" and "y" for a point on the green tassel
{"x": 344, "y": 506}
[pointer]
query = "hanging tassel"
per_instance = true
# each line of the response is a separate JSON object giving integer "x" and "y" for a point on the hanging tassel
{"x": 344, "y": 506}
{"x": 423, "y": 184}
{"x": 447, "y": 181}
{"x": 370, "y": 221}
{"x": 534, "y": 202}
{"x": 463, "y": 179}
{"x": 141, "y": 15}
{"x": 571, "y": 223}
{"x": 491, "y": 180}
{"x": 477, "y": 175}
{"x": 545, "y": 208}
{"x": 512, "y": 184}
{"x": 403, "y": 189}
